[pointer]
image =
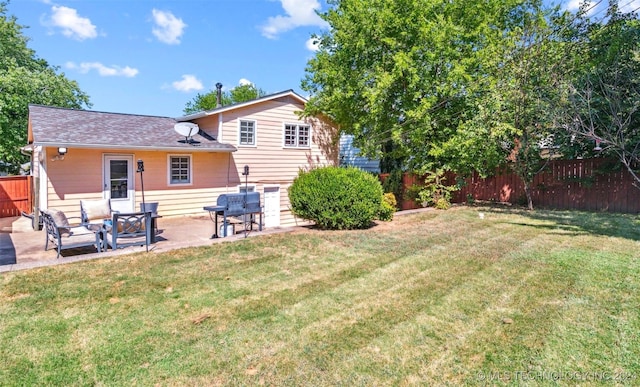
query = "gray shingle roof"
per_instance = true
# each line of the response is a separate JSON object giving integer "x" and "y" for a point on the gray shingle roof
{"x": 53, "y": 126}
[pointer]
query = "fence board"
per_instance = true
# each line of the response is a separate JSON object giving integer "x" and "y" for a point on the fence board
{"x": 15, "y": 195}
{"x": 589, "y": 184}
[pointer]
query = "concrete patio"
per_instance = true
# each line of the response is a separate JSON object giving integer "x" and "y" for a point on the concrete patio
{"x": 23, "y": 248}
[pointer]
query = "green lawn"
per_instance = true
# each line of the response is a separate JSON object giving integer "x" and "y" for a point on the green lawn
{"x": 431, "y": 298}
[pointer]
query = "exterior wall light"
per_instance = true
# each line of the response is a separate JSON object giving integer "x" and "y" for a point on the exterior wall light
{"x": 62, "y": 151}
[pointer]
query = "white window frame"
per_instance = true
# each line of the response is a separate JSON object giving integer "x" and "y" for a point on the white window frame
{"x": 250, "y": 188}
{"x": 170, "y": 169}
{"x": 296, "y": 135}
{"x": 255, "y": 133}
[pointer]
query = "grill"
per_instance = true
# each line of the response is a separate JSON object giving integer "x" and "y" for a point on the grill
{"x": 243, "y": 205}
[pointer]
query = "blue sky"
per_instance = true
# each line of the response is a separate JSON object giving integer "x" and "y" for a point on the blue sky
{"x": 152, "y": 57}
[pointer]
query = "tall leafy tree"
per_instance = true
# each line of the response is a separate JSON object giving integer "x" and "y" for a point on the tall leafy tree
{"x": 604, "y": 108}
{"x": 529, "y": 78}
{"x": 209, "y": 100}
{"x": 25, "y": 79}
{"x": 460, "y": 85}
{"x": 408, "y": 75}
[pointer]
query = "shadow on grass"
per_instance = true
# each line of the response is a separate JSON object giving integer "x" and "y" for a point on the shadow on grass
{"x": 599, "y": 223}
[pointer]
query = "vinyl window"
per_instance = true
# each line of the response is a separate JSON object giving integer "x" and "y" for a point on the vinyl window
{"x": 296, "y": 135}
{"x": 247, "y": 132}
{"x": 179, "y": 169}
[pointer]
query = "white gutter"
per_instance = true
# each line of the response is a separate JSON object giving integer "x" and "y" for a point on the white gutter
{"x": 134, "y": 147}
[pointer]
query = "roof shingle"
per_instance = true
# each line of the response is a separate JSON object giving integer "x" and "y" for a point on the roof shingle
{"x": 53, "y": 126}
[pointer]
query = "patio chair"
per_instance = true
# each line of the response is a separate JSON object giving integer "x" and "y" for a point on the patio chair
{"x": 129, "y": 229}
{"x": 65, "y": 235}
{"x": 95, "y": 211}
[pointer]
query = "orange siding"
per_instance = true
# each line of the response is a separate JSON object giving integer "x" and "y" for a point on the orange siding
{"x": 77, "y": 176}
{"x": 67, "y": 185}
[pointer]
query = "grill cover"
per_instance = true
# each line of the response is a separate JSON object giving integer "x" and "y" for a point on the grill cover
{"x": 234, "y": 203}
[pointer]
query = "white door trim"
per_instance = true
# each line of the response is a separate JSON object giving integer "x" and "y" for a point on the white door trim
{"x": 126, "y": 200}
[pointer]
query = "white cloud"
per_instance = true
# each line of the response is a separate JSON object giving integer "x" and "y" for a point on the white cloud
{"x": 631, "y": 6}
{"x": 244, "y": 81}
{"x": 72, "y": 25}
{"x": 188, "y": 83}
{"x": 574, "y": 5}
{"x": 298, "y": 13}
{"x": 599, "y": 8}
{"x": 313, "y": 44}
{"x": 104, "y": 71}
{"x": 168, "y": 28}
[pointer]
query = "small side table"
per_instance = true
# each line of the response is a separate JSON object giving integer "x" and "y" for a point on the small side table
{"x": 100, "y": 229}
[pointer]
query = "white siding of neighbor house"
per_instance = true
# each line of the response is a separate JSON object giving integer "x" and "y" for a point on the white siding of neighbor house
{"x": 350, "y": 156}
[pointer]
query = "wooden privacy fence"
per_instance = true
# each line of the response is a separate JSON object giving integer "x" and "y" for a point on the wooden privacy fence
{"x": 588, "y": 184}
{"x": 15, "y": 195}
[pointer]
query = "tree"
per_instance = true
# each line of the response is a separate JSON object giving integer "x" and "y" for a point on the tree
{"x": 26, "y": 79}
{"x": 528, "y": 89}
{"x": 412, "y": 77}
{"x": 604, "y": 108}
{"x": 208, "y": 101}
{"x": 458, "y": 85}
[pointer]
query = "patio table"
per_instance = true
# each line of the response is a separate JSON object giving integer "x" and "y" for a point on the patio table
{"x": 100, "y": 229}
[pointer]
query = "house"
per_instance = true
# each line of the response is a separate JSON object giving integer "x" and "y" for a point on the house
{"x": 350, "y": 156}
{"x": 79, "y": 154}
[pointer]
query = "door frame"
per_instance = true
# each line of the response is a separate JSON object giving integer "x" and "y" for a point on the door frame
{"x": 276, "y": 218}
{"x": 123, "y": 205}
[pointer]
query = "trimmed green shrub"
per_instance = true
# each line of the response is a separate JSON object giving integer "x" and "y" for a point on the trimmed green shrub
{"x": 388, "y": 207}
{"x": 336, "y": 198}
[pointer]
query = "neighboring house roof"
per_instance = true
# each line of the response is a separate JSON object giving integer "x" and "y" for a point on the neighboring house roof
{"x": 222, "y": 109}
{"x": 61, "y": 127}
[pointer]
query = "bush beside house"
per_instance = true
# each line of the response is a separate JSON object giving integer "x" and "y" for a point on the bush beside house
{"x": 336, "y": 198}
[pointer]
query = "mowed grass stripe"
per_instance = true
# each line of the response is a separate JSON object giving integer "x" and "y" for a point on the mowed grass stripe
{"x": 358, "y": 278}
{"x": 392, "y": 299}
{"x": 421, "y": 302}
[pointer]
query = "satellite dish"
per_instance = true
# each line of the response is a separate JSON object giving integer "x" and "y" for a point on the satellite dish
{"x": 186, "y": 129}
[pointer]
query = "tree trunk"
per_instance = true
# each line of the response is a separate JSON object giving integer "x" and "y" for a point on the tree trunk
{"x": 527, "y": 192}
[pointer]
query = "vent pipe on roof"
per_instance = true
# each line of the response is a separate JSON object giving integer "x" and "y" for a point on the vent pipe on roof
{"x": 218, "y": 94}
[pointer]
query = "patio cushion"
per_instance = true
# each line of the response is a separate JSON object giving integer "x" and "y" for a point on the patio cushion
{"x": 60, "y": 219}
{"x": 96, "y": 209}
